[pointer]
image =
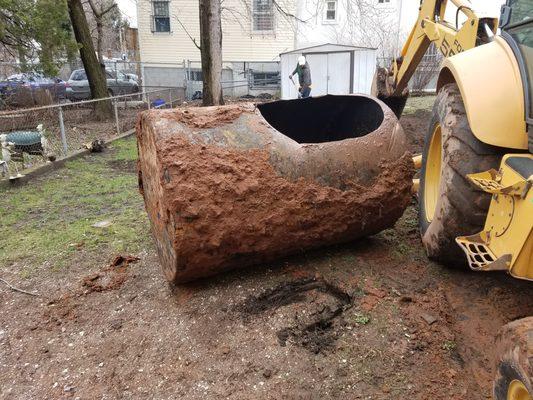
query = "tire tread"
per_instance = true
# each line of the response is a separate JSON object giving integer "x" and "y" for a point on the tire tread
{"x": 466, "y": 205}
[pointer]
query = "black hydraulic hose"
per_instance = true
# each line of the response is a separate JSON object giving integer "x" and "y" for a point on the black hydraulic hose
{"x": 457, "y": 15}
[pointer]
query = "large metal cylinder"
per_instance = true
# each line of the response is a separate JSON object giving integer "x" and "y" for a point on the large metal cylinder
{"x": 238, "y": 185}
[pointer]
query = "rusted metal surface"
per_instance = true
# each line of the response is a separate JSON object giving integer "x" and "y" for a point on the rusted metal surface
{"x": 224, "y": 189}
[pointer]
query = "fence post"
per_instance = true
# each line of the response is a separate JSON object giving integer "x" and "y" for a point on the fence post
{"x": 170, "y": 97}
{"x": 148, "y": 99}
{"x": 62, "y": 130}
{"x": 116, "y": 116}
{"x": 188, "y": 90}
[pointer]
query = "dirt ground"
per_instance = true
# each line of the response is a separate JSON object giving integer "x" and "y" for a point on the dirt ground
{"x": 373, "y": 319}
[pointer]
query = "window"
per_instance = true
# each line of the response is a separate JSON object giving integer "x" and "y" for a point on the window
{"x": 265, "y": 79}
{"x": 522, "y": 33}
{"x": 196, "y": 75}
{"x": 331, "y": 11}
{"x": 79, "y": 76}
{"x": 263, "y": 15}
{"x": 161, "y": 17}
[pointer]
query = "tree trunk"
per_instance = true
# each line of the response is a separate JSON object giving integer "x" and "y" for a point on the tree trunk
{"x": 99, "y": 39}
{"x": 211, "y": 51}
{"x": 95, "y": 72}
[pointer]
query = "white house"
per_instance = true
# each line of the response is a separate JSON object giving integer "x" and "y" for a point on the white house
{"x": 383, "y": 24}
{"x": 256, "y": 32}
{"x": 373, "y": 23}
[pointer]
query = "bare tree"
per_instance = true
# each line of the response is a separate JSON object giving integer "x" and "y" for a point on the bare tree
{"x": 364, "y": 23}
{"x": 93, "y": 69}
{"x": 358, "y": 22}
{"x": 99, "y": 12}
{"x": 211, "y": 51}
{"x": 426, "y": 71}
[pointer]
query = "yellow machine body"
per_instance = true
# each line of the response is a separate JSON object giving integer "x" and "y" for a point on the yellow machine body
{"x": 486, "y": 70}
{"x": 488, "y": 75}
{"x": 431, "y": 27}
{"x": 489, "y": 79}
{"x": 506, "y": 242}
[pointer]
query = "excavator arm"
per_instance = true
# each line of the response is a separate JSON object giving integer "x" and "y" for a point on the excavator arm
{"x": 390, "y": 85}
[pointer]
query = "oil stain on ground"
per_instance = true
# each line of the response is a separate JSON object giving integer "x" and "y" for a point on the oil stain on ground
{"x": 318, "y": 304}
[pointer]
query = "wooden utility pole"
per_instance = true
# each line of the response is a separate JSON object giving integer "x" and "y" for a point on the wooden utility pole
{"x": 211, "y": 51}
{"x": 94, "y": 70}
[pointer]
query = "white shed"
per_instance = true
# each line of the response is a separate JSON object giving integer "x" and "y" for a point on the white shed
{"x": 335, "y": 69}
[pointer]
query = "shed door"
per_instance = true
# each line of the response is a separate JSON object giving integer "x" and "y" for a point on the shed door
{"x": 319, "y": 73}
{"x": 338, "y": 73}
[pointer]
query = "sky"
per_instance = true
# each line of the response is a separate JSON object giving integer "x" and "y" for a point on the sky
{"x": 128, "y": 8}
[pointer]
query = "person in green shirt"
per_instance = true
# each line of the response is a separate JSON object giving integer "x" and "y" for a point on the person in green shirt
{"x": 304, "y": 77}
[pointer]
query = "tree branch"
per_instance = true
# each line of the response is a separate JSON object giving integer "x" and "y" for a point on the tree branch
{"x": 104, "y": 12}
{"x": 100, "y": 13}
{"x": 286, "y": 13}
{"x": 187, "y": 32}
{"x": 16, "y": 289}
{"x": 93, "y": 7}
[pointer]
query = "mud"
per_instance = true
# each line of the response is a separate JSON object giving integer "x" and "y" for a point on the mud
{"x": 383, "y": 91}
{"x": 289, "y": 293}
{"x": 209, "y": 117}
{"x": 109, "y": 278}
{"x": 313, "y": 328}
{"x": 243, "y": 194}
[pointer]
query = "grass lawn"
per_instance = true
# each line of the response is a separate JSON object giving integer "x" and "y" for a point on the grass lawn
{"x": 415, "y": 103}
{"x": 49, "y": 221}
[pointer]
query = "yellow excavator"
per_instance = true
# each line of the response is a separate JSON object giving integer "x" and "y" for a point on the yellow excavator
{"x": 476, "y": 171}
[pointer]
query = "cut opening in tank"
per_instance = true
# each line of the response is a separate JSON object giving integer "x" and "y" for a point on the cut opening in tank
{"x": 325, "y": 118}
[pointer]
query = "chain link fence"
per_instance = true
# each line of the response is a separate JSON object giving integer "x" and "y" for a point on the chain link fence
{"x": 35, "y": 136}
{"x": 424, "y": 79}
{"x": 240, "y": 79}
{"x": 21, "y": 88}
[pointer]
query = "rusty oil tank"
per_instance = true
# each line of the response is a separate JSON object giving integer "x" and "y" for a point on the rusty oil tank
{"x": 240, "y": 185}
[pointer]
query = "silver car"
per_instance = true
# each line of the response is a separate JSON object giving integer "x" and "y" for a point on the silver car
{"x": 117, "y": 84}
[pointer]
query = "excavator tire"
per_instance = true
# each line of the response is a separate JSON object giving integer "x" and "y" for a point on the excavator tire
{"x": 449, "y": 205}
{"x": 514, "y": 363}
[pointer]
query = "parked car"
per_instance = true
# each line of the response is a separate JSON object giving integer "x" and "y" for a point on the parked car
{"x": 117, "y": 84}
{"x": 133, "y": 76}
{"x": 33, "y": 81}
